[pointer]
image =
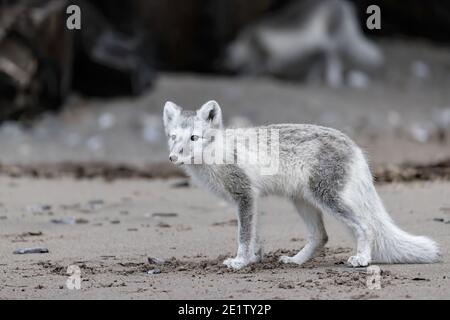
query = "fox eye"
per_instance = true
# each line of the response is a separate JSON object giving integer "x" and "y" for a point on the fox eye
{"x": 194, "y": 138}
{"x": 173, "y": 137}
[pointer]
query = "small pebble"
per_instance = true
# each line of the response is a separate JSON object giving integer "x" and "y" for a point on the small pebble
{"x": 68, "y": 220}
{"x": 39, "y": 209}
{"x": 32, "y": 233}
{"x": 163, "y": 225}
{"x": 92, "y": 206}
{"x": 165, "y": 215}
{"x": 153, "y": 260}
{"x": 31, "y": 250}
{"x": 154, "y": 271}
{"x": 181, "y": 184}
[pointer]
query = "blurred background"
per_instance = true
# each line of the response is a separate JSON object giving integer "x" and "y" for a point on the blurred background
{"x": 94, "y": 96}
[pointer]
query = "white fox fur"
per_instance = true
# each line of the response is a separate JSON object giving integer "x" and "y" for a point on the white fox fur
{"x": 320, "y": 169}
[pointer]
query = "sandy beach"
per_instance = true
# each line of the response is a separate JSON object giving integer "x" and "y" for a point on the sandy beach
{"x": 111, "y": 229}
{"x": 94, "y": 206}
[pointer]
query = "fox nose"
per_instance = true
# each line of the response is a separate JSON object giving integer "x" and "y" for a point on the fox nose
{"x": 173, "y": 158}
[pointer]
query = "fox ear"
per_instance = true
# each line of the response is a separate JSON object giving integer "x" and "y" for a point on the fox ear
{"x": 171, "y": 110}
{"x": 211, "y": 112}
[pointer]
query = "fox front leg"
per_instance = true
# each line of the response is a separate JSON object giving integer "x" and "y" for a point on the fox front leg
{"x": 249, "y": 250}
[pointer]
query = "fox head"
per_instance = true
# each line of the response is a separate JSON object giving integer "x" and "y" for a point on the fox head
{"x": 190, "y": 132}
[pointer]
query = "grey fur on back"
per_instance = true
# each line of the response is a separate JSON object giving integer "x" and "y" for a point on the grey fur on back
{"x": 324, "y": 152}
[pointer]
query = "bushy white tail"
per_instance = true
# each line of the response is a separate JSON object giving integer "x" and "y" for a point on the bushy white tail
{"x": 390, "y": 244}
{"x": 393, "y": 245}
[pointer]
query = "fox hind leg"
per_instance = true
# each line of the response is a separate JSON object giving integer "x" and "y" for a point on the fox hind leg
{"x": 317, "y": 235}
{"x": 361, "y": 231}
{"x": 364, "y": 240}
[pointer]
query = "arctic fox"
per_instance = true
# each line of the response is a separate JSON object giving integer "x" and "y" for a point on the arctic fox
{"x": 320, "y": 169}
{"x": 306, "y": 38}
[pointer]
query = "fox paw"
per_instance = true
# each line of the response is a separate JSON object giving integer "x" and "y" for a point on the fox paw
{"x": 236, "y": 263}
{"x": 358, "y": 261}
{"x": 287, "y": 259}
